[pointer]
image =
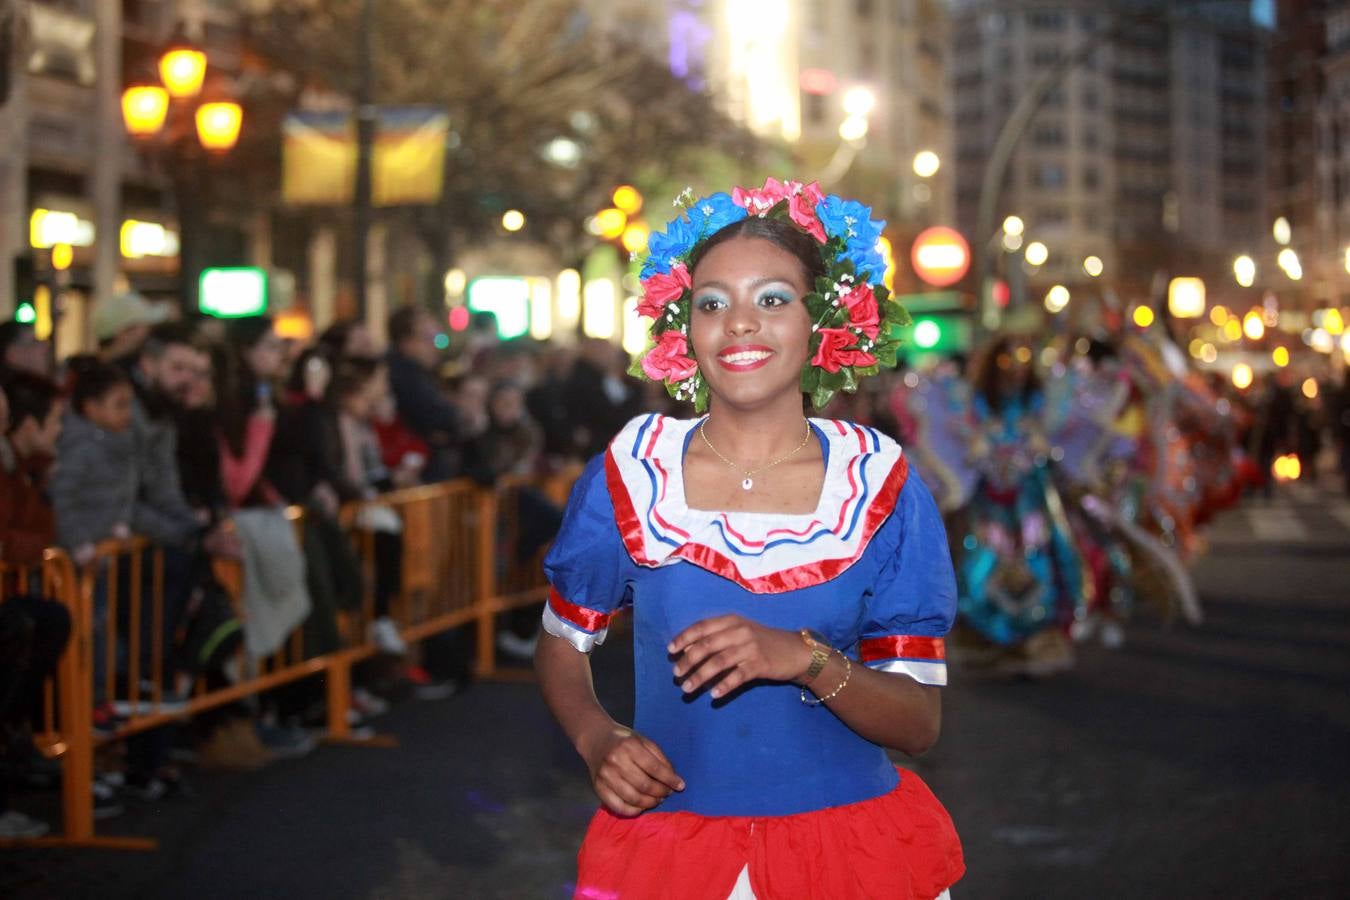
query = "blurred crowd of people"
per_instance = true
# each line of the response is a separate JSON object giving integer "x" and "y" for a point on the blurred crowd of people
{"x": 195, "y": 436}
{"x": 1075, "y": 474}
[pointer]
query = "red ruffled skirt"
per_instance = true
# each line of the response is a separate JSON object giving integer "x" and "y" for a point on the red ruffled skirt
{"x": 900, "y": 846}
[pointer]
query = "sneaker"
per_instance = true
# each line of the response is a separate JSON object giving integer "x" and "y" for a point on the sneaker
{"x": 438, "y": 690}
{"x": 367, "y": 704}
{"x": 14, "y": 825}
{"x": 358, "y": 728}
{"x": 518, "y": 647}
{"x": 286, "y": 741}
{"x": 106, "y": 803}
{"x": 106, "y": 720}
{"x": 384, "y": 634}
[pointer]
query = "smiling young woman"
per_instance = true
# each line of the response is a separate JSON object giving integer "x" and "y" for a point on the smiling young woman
{"x": 789, "y": 583}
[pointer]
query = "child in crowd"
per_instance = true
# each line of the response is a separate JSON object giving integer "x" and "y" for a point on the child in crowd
{"x": 93, "y": 488}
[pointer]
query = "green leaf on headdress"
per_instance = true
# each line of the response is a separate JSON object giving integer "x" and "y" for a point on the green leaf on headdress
{"x": 810, "y": 378}
{"x": 885, "y": 354}
{"x": 821, "y": 396}
{"x": 850, "y": 379}
{"x": 635, "y": 368}
{"x": 833, "y": 380}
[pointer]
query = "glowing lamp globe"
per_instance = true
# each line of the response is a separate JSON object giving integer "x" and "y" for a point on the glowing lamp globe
{"x": 144, "y": 108}
{"x": 940, "y": 256}
{"x": 183, "y": 69}
{"x": 218, "y": 125}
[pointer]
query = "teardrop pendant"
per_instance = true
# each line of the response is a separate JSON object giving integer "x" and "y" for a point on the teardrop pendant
{"x": 747, "y": 484}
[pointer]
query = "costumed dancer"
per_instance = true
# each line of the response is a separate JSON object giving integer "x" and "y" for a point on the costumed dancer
{"x": 790, "y": 584}
{"x": 1020, "y": 574}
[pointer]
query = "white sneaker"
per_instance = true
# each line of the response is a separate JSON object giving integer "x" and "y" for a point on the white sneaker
{"x": 14, "y": 824}
{"x": 384, "y": 633}
{"x": 367, "y": 704}
{"x": 519, "y": 647}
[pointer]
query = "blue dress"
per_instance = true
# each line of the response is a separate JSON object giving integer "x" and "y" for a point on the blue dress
{"x": 869, "y": 569}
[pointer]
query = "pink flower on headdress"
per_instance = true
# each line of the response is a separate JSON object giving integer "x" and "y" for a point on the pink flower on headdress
{"x": 802, "y": 201}
{"x": 759, "y": 201}
{"x": 801, "y": 198}
{"x": 834, "y": 352}
{"x": 669, "y": 360}
{"x": 862, "y": 309}
{"x": 658, "y": 290}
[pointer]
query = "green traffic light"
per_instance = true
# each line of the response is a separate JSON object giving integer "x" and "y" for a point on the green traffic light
{"x": 927, "y": 334}
{"x": 25, "y": 314}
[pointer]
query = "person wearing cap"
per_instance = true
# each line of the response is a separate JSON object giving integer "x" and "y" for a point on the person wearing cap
{"x": 21, "y": 351}
{"x": 121, "y": 324}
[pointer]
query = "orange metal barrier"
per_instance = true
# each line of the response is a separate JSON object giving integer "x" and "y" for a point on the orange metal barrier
{"x": 454, "y": 535}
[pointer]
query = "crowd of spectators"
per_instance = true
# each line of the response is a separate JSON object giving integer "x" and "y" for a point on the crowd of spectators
{"x": 195, "y": 435}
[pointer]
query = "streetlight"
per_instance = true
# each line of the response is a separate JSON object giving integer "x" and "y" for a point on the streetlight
{"x": 1288, "y": 261}
{"x": 182, "y": 68}
{"x": 1057, "y": 298}
{"x": 1037, "y": 253}
{"x": 1244, "y": 270}
{"x": 218, "y": 125}
{"x": 146, "y": 114}
{"x": 1186, "y": 298}
{"x": 1282, "y": 232}
{"x": 1094, "y": 266}
{"x": 1013, "y": 225}
{"x": 926, "y": 163}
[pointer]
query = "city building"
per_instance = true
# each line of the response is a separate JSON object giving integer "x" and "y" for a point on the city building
{"x": 70, "y": 174}
{"x": 790, "y": 70}
{"x": 1329, "y": 265}
{"x": 1147, "y": 150}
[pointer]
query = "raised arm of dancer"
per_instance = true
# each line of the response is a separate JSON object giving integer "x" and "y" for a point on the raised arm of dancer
{"x": 629, "y": 773}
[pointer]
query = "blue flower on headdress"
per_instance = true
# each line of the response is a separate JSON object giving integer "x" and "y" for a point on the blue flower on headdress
{"x": 711, "y": 214}
{"x": 665, "y": 247}
{"x": 851, "y": 221}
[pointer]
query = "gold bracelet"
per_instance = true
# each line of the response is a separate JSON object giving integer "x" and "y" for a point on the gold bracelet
{"x": 848, "y": 671}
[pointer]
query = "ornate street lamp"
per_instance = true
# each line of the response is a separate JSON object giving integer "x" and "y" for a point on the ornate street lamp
{"x": 218, "y": 125}
{"x": 182, "y": 68}
{"x": 144, "y": 109}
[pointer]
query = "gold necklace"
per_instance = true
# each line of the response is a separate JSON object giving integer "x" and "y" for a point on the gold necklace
{"x": 749, "y": 480}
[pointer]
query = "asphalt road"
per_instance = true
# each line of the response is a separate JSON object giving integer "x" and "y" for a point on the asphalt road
{"x": 1191, "y": 763}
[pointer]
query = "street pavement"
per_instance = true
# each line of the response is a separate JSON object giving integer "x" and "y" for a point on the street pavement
{"x": 1194, "y": 762}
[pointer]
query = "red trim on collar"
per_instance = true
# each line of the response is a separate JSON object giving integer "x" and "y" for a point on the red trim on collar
{"x": 630, "y": 529}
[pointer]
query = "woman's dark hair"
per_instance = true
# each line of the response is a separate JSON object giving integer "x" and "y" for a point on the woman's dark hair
{"x": 30, "y": 397}
{"x": 295, "y": 381}
{"x": 92, "y": 380}
{"x": 237, "y": 388}
{"x": 779, "y": 232}
{"x": 335, "y": 337}
{"x": 352, "y": 374}
{"x": 987, "y": 375}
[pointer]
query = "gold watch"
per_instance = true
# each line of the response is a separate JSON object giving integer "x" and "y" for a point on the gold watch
{"x": 820, "y": 654}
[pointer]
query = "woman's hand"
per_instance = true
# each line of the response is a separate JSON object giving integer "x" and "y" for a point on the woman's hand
{"x": 630, "y": 774}
{"x": 728, "y": 651}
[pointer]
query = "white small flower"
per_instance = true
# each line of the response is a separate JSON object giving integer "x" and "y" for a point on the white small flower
{"x": 673, "y": 307}
{"x": 815, "y": 327}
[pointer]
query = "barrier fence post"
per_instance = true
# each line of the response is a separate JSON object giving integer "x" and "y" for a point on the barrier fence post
{"x": 485, "y": 584}
{"x": 75, "y": 677}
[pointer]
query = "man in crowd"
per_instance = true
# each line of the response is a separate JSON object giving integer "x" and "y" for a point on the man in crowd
{"x": 418, "y": 392}
{"x": 21, "y": 351}
{"x": 121, "y": 324}
{"x": 33, "y": 630}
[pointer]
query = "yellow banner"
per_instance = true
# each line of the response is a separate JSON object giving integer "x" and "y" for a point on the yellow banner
{"x": 407, "y": 164}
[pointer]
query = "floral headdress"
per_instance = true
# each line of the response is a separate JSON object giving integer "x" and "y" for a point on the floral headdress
{"x": 852, "y": 313}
